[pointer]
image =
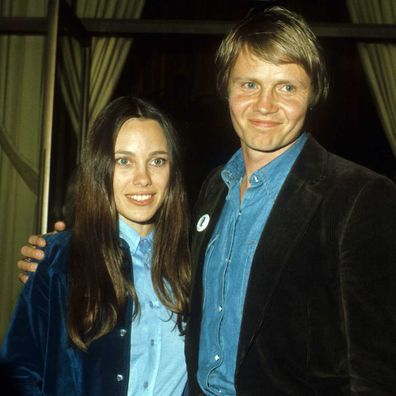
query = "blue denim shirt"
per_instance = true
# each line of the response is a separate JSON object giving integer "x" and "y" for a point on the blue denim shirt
{"x": 37, "y": 350}
{"x": 227, "y": 265}
{"x": 157, "y": 350}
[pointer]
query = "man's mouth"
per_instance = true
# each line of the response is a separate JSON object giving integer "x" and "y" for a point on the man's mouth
{"x": 263, "y": 123}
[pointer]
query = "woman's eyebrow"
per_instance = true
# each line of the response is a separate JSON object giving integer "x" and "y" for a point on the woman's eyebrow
{"x": 156, "y": 152}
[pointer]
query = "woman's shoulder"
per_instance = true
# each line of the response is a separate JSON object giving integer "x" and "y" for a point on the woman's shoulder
{"x": 56, "y": 252}
{"x": 58, "y": 239}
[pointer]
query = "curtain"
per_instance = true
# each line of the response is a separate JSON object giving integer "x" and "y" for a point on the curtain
{"x": 379, "y": 60}
{"x": 108, "y": 55}
{"x": 21, "y": 66}
{"x": 21, "y": 63}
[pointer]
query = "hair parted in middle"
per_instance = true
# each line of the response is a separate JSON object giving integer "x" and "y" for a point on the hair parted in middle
{"x": 98, "y": 277}
{"x": 279, "y": 36}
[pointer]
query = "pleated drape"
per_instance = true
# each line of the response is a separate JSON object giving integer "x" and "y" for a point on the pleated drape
{"x": 21, "y": 101}
{"x": 379, "y": 60}
{"x": 21, "y": 64}
{"x": 108, "y": 55}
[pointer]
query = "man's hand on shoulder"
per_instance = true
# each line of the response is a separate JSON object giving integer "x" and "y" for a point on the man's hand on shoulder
{"x": 33, "y": 251}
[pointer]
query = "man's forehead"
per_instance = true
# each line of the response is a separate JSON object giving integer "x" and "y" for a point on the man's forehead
{"x": 249, "y": 63}
{"x": 271, "y": 56}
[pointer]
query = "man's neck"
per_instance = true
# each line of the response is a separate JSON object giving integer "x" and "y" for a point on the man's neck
{"x": 254, "y": 160}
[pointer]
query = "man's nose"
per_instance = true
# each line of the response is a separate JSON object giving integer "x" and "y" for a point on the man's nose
{"x": 266, "y": 101}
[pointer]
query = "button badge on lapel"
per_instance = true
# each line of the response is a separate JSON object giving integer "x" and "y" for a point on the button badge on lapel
{"x": 203, "y": 222}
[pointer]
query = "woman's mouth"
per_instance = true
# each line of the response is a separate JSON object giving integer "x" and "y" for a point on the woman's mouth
{"x": 140, "y": 199}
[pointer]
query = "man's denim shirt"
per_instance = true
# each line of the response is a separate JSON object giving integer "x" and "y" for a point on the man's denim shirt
{"x": 228, "y": 261}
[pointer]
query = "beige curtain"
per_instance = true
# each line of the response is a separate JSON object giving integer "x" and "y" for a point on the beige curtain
{"x": 21, "y": 63}
{"x": 379, "y": 60}
{"x": 108, "y": 57}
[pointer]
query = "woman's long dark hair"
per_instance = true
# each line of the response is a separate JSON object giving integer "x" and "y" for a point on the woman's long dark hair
{"x": 99, "y": 279}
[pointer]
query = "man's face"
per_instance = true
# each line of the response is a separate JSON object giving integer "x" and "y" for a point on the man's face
{"x": 267, "y": 104}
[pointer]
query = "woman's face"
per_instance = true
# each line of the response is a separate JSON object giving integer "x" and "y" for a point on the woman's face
{"x": 141, "y": 172}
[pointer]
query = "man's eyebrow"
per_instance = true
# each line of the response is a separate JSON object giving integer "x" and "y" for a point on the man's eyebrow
{"x": 237, "y": 78}
{"x": 292, "y": 81}
{"x": 243, "y": 79}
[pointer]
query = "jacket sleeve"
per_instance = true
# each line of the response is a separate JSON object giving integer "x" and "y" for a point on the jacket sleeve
{"x": 212, "y": 181}
{"x": 23, "y": 350}
{"x": 368, "y": 289}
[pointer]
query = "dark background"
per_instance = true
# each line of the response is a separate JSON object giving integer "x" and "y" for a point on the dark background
{"x": 177, "y": 73}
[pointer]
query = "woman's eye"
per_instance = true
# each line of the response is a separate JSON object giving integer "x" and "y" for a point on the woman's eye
{"x": 158, "y": 161}
{"x": 122, "y": 161}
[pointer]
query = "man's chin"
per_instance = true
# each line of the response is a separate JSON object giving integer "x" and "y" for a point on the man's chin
{"x": 271, "y": 147}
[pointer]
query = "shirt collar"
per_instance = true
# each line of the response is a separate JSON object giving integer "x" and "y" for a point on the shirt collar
{"x": 133, "y": 239}
{"x": 235, "y": 167}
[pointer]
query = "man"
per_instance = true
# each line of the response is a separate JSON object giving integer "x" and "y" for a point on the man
{"x": 294, "y": 254}
{"x": 294, "y": 248}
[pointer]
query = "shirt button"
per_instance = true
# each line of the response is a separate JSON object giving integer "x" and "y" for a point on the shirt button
{"x": 122, "y": 332}
{"x": 152, "y": 342}
{"x": 145, "y": 384}
{"x": 151, "y": 304}
{"x": 220, "y": 308}
{"x": 217, "y": 357}
{"x": 120, "y": 377}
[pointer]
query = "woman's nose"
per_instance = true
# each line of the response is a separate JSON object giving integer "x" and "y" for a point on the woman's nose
{"x": 142, "y": 177}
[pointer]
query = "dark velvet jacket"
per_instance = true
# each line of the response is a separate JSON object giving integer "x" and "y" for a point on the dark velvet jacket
{"x": 320, "y": 311}
{"x": 37, "y": 351}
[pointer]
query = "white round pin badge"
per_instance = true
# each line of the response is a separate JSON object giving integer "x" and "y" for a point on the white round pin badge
{"x": 203, "y": 222}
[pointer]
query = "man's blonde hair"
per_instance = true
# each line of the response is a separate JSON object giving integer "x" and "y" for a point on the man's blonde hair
{"x": 278, "y": 36}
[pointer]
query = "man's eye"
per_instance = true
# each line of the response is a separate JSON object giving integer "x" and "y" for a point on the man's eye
{"x": 158, "y": 161}
{"x": 250, "y": 85}
{"x": 288, "y": 88}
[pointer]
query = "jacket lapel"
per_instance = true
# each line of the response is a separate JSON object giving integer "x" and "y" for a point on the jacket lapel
{"x": 210, "y": 204}
{"x": 294, "y": 207}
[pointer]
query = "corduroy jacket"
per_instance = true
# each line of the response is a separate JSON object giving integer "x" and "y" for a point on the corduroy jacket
{"x": 320, "y": 311}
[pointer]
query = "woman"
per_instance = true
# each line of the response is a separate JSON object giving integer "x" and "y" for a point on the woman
{"x": 104, "y": 311}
